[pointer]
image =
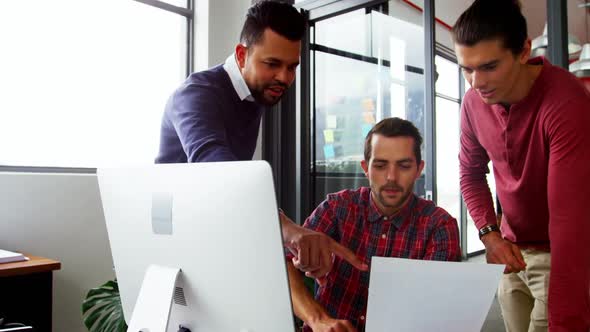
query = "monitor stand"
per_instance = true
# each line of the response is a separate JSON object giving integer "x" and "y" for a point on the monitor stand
{"x": 154, "y": 302}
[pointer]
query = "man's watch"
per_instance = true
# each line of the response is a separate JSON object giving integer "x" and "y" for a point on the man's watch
{"x": 488, "y": 229}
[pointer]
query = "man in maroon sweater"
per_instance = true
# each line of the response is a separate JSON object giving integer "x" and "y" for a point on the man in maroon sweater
{"x": 532, "y": 120}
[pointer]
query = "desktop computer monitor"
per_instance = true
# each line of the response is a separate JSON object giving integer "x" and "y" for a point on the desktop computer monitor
{"x": 218, "y": 223}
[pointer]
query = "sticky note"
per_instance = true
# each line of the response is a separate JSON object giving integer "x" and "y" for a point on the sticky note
{"x": 329, "y": 151}
{"x": 328, "y": 135}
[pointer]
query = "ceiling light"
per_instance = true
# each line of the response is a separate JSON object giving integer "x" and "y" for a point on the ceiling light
{"x": 581, "y": 67}
{"x": 539, "y": 45}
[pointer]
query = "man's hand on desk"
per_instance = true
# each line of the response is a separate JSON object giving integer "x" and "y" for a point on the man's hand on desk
{"x": 314, "y": 251}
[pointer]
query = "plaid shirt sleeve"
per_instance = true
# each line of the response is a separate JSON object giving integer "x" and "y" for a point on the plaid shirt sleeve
{"x": 443, "y": 244}
{"x": 322, "y": 220}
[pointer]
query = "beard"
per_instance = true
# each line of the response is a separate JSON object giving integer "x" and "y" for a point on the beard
{"x": 258, "y": 93}
{"x": 404, "y": 194}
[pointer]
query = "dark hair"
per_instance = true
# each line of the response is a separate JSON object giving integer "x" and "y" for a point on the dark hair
{"x": 492, "y": 19}
{"x": 280, "y": 17}
{"x": 394, "y": 127}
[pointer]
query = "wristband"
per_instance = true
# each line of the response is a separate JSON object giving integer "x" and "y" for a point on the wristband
{"x": 488, "y": 229}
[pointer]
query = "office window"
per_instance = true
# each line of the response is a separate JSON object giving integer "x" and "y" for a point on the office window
{"x": 474, "y": 244}
{"x": 447, "y": 136}
{"x": 84, "y": 83}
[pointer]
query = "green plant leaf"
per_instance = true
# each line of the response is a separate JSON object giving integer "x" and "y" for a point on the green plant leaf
{"x": 110, "y": 287}
{"x": 102, "y": 310}
{"x": 97, "y": 302}
{"x": 105, "y": 318}
{"x": 122, "y": 327}
{"x": 111, "y": 325}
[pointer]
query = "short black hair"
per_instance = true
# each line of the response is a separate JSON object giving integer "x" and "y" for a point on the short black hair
{"x": 492, "y": 19}
{"x": 280, "y": 17}
{"x": 395, "y": 127}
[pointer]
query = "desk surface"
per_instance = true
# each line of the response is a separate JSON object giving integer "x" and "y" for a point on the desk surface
{"x": 35, "y": 264}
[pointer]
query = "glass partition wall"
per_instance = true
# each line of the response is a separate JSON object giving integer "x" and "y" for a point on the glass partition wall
{"x": 364, "y": 63}
{"x": 367, "y": 66}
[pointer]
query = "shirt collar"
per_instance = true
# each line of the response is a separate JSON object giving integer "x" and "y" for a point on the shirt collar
{"x": 398, "y": 218}
{"x": 237, "y": 80}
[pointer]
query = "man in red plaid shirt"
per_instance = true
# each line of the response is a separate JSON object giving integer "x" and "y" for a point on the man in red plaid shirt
{"x": 386, "y": 219}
